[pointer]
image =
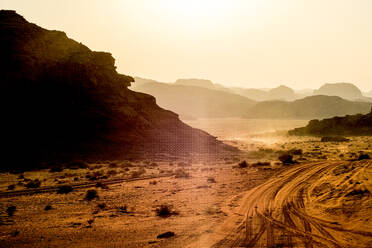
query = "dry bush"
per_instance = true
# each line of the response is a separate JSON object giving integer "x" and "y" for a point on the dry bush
{"x": 286, "y": 159}
{"x": 91, "y": 194}
{"x": 11, "y": 210}
{"x": 65, "y": 189}
{"x": 243, "y": 164}
{"x": 101, "y": 205}
{"x": 33, "y": 184}
{"x": 165, "y": 211}
{"x": 138, "y": 172}
{"x": 48, "y": 207}
{"x": 11, "y": 187}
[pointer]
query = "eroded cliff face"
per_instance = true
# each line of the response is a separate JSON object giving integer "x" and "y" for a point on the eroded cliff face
{"x": 60, "y": 99}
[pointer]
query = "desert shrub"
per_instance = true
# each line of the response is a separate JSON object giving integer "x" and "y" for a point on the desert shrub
{"x": 363, "y": 156}
{"x": 164, "y": 211}
{"x": 243, "y": 164}
{"x": 33, "y": 184}
{"x": 153, "y": 182}
{"x": 112, "y": 172}
{"x": 211, "y": 180}
{"x": 48, "y": 207}
{"x": 90, "y": 222}
{"x": 101, "y": 205}
{"x": 101, "y": 185}
{"x": 123, "y": 209}
{"x": 181, "y": 173}
{"x": 11, "y": 187}
{"x": 138, "y": 172}
{"x": 286, "y": 158}
{"x": 11, "y": 210}
{"x": 95, "y": 176}
{"x": 91, "y": 194}
{"x": 65, "y": 189}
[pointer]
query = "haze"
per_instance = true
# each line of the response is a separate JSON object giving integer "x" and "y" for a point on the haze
{"x": 302, "y": 44}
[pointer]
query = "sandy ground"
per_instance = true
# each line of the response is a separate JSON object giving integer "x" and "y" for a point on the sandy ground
{"x": 322, "y": 201}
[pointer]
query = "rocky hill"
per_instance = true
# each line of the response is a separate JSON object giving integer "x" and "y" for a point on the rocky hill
{"x": 281, "y": 92}
{"x": 59, "y": 99}
{"x": 345, "y": 90}
{"x": 195, "y": 102}
{"x": 348, "y": 125}
{"x": 307, "y": 108}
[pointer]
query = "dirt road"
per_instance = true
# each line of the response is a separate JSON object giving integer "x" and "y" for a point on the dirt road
{"x": 274, "y": 214}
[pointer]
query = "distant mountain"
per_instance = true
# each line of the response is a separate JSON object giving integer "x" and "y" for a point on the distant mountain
{"x": 368, "y": 94}
{"x": 307, "y": 108}
{"x": 60, "y": 100}
{"x": 348, "y": 125}
{"x": 280, "y": 93}
{"x": 345, "y": 90}
{"x": 194, "y": 101}
{"x": 201, "y": 83}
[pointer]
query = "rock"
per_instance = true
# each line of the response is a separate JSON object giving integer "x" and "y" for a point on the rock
{"x": 165, "y": 235}
{"x": 62, "y": 101}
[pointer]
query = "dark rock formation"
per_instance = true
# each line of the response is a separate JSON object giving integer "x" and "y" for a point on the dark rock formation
{"x": 348, "y": 125}
{"x": 59, "y": 99}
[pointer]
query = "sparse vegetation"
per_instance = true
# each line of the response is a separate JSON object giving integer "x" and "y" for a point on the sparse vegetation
{"x": 11, "y": 210}
{"x": 243, "y": 164}
{"x": 33, "y": 184}
{"x": 64, "y": 189}
{"x": 286, "y": 158}
{"x": 48, "y": 207}
{"x": 11, "y": 187}
{"x": 91, "y": 194}
{"x": 165, "y": 211}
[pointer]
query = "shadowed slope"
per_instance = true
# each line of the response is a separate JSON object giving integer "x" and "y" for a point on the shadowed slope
{"x": 60, "y": 99}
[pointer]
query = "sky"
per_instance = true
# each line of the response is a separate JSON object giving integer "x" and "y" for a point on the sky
{"x": 246, "y": 43}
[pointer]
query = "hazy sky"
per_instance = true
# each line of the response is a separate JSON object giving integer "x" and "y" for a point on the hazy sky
{"x": 249, "y": 43}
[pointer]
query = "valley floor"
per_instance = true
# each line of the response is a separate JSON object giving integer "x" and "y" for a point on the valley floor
{"x": 322, "y": 201}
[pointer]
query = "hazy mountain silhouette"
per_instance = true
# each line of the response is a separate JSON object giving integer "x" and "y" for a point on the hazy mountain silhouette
{"x": 202, "y": 83}
{"x": 194, "y": 101}
{"x": 279, "y": 93}
{"x": 345, "y": 90}
{"x": 60, "y": 99}
{"x": 307, "y": 108}
{"x": 348, "y": 125}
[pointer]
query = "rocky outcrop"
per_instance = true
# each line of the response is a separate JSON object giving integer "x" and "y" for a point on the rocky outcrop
{"x": 348, "y": 125}
{"x": 60, "y": 99}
